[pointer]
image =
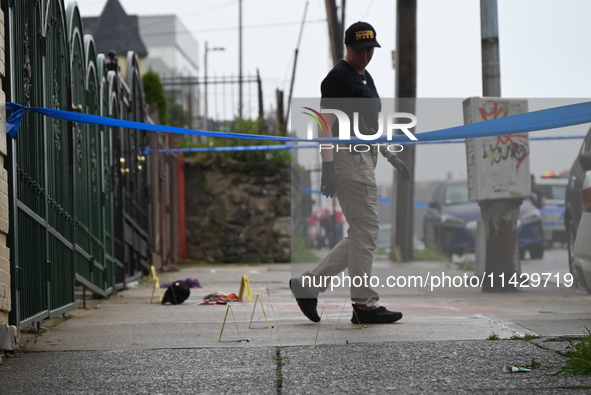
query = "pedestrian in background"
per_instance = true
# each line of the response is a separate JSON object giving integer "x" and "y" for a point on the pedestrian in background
{"x": 537, "y": 196}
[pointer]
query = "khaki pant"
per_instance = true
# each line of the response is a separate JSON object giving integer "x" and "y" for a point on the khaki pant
{"x": 358, "y": 196}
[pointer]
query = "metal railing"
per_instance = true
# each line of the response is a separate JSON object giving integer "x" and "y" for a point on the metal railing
{"x": 78, "y": 192}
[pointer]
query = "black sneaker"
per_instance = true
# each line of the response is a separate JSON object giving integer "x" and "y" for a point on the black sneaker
{"x": 306, "y": 301}
{"x": 381, "y": 315}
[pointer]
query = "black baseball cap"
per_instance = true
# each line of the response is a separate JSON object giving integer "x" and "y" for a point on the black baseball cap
{"x": 361, "y": 35}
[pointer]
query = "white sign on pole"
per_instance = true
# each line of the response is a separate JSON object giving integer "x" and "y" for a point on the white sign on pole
{"x": 497, "y": 166}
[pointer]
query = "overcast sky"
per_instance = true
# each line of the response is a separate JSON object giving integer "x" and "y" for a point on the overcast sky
{"x": 544, "y": 52}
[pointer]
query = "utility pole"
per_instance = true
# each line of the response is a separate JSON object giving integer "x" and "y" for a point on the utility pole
{"x": 205, "y": 91}
{"x": 406, "y": 92}
{"x": 489, "y": 32}
{"x": 260, "y": 93}
{"x": 280, "y": 113}
{"x": 499, "y": 215}
{"x": 240, "y": 59}
{"x": 335, "y": 29}
{"x": 295, "y": 62}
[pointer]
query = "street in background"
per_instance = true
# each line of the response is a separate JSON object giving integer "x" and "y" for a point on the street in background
{"x": 450, "y": 222}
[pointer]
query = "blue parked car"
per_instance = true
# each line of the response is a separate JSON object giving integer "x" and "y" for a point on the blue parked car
{"x": 450, "y": 222}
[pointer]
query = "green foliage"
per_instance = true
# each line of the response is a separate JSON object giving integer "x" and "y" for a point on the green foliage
{"x": 467, "y": 265}
{"x": 430, "y": 254}
{"x": 579, "y": 356}
{"x": 493, "y": 336}
{"x": 177, "y": 114}
{"x": 154, "y": 93}
{"x": 276, "y": 159}
{"x": 300, "y": 253}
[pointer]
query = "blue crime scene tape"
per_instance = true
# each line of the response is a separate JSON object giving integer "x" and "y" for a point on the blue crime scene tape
{"x": 14, "y": 121}
{"x": 148, "y": 151}
{"x": 232, "y": 148}
{"x": 551, "y": 118}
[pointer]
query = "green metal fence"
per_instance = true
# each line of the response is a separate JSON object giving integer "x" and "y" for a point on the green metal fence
{"x": 78, "y": 192}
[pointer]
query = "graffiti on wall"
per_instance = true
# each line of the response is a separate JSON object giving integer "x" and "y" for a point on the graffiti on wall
{"x": 493, "y": 110}
{"x": 507, "y": 147}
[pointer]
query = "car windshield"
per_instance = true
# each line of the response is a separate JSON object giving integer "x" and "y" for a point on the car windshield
{"x": 456, "y": 194}
{"x": 555, "y": 192}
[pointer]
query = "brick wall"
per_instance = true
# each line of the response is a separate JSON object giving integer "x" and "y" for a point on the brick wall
{"x": 5, "y": 300}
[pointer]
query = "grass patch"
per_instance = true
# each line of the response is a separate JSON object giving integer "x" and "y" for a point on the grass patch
{"x": 300, "y": 253}
{"x": 431, "y": 254}
{"x": 467, "y": 265}
{"x": 271, "y": 160}
{"x": 578, "y": 355}
{"x": 493, "y": 336}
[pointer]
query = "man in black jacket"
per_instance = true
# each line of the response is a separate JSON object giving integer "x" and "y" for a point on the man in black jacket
{"x": 349, "y": 173}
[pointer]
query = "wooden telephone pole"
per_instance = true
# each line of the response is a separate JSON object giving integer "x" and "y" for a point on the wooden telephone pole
{"x": 335, "y": 29}
{"x": 502, "y": 252}
{"x": 406, "y": 92}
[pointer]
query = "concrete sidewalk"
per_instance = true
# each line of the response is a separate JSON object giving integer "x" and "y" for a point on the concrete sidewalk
{"x": 128, "y": 345}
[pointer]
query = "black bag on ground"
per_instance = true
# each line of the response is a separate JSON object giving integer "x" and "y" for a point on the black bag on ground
{"x": 177, "y": 293}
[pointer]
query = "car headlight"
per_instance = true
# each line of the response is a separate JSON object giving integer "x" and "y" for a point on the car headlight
{"x": 471, "y": 226}
{"x": 531, "y": 216}
{"x": 451, "y": 220}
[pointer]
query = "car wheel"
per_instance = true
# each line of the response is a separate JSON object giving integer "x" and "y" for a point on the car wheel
{"x": 571, "y": 235}
{"x": 436, "y": 240}
{"x": 522, "y": 253}
{"x": 426, "y": 237}
{"x": 581, "y": 281}
{"x": 536, "y": 252}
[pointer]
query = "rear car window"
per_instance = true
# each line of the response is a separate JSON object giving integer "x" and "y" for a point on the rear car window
{"x": 555, "y": 192}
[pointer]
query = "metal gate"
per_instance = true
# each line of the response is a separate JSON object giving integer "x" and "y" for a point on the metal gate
{"x": 78, "y": 192}
{"x": 132, "y": 252}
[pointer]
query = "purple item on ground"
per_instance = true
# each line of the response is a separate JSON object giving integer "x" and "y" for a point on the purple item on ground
{"x": 193, "y": 283}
